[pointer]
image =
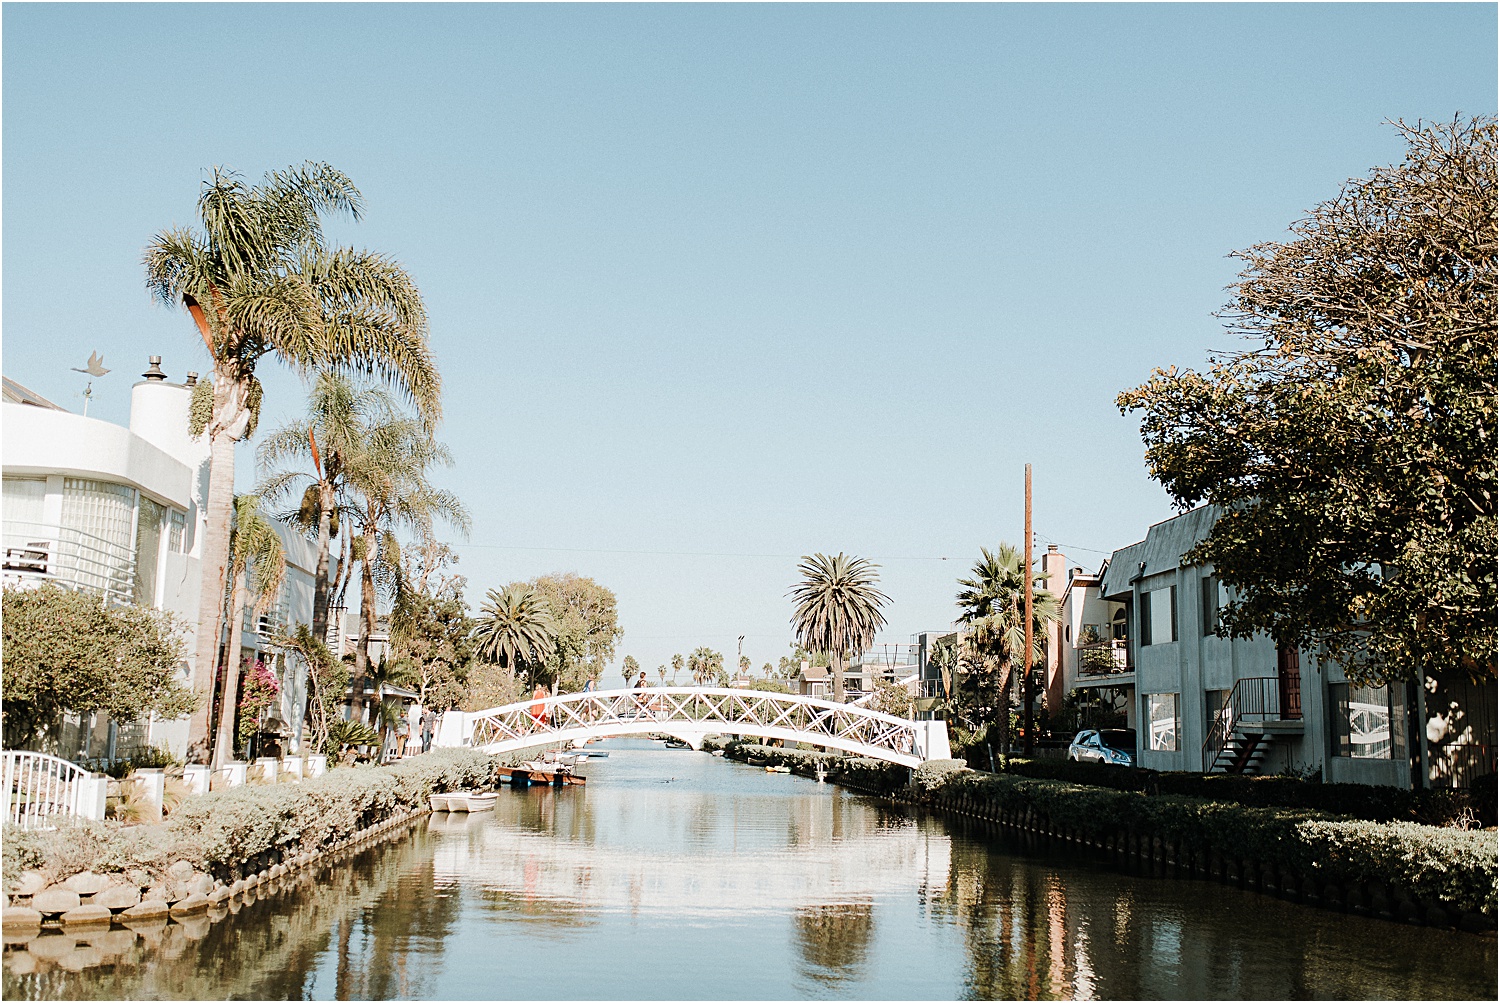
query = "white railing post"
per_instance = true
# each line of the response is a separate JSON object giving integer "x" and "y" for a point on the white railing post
{"x": 91, "y": 791}
{"x": 153, "y": 787}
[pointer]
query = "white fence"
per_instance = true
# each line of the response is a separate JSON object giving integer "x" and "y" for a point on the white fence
{"x": 37, "y": 788}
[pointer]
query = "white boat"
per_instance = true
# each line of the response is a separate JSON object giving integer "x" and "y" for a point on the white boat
{"x": 481, "y": 800}
{"x": 439, "y": 802}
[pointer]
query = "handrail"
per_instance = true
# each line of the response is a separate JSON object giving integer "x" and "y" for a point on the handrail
{"x": 701, "y": 711}
{"x": 35, "y": 788}
{"x": 70, "y": 557}
{"x": 1252, "y": 698}
{"x": 1119, "y": 657}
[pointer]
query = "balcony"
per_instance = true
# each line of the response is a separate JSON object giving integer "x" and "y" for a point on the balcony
{"x": 36, "y": 553}
{"x": 1102, "y": 659}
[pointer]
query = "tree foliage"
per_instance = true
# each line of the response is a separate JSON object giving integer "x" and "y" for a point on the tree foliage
{"x": 707, "y": 666}
{"x": 69, "y": 651}
{"x": 1353, "y": 450}
{"x": 517, "y": 630}
{"x": 836, "y": 608}
{"x": 432, "y": 635}
{"x": 992, "y": 646}
{"x": 588, "y": 628}
{"x": 630, "y": 669}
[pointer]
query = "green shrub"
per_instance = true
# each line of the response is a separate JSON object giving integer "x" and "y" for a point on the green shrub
{"x": 1370, "y": 802}
{"x": 1442, "y": 865}
{"x": 935, "y": 772}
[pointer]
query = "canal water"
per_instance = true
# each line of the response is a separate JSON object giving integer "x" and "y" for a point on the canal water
{"x": 677, "y": 875}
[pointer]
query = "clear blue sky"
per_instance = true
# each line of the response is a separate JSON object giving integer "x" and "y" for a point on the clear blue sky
{"x": 732, "y": 280}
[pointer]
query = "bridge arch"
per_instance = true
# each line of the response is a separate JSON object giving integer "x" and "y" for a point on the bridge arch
{"x": 692, "y": 713}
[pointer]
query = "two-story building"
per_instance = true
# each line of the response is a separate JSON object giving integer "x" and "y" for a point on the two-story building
{"x": 89, "y": 504}
{"x": 1211, "y": 703}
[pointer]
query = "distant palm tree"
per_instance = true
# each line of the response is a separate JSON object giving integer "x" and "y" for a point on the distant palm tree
{"x": 258, "y": 564}
{"x": 391, "y": 491}
{"x": 258, "y": 280}
{"x": 661, "y": 673}
{"x": 315, "y": 455}
{"x": 516, "y": 629}
{"x": 837, "y": 609}
{"x": 677, "y": 664}
{"x": 630, "y": 669}
{"x": 706, "y": 665}
{"x": 992, "y": 607}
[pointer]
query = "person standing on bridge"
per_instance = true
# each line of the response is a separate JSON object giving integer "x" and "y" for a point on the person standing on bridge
{"x": 539, "y": 706}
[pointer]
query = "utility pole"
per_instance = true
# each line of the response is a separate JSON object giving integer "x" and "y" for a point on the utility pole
{"x": 1026, "y": 698}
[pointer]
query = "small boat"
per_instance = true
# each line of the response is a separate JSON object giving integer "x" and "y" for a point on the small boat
{"x": 439, "y": 802}
{"x": 778, "y": 769}
{"x": 717, "y": 752}
{"x": 482, "y": 800}
{"x": 677, "y": 743}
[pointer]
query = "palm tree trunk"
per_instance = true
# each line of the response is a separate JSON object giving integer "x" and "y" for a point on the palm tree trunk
{"x": 838, "y": 677}
{"x": 366, "y": 625}
{"x": 215, "y": 559}
{"x": 224, "y": 746}
{"x": 321, "y": 584}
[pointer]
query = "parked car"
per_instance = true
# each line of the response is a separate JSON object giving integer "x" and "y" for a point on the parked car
{"x": 1112, "y": 746}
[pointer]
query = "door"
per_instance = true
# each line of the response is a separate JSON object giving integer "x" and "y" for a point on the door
{"x": 1289, "y": 683}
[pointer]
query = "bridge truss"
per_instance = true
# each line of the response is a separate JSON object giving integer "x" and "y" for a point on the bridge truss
{"x": 691, "y": 714}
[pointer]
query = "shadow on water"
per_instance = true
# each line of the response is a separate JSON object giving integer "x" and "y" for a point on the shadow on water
{"x": 674, "y": 875}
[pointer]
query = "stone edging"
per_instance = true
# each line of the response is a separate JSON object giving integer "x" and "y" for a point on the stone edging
{"x": 95, "y": 904}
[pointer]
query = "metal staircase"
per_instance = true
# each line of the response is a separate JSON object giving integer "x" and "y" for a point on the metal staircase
{"x": 1255, "y": 712}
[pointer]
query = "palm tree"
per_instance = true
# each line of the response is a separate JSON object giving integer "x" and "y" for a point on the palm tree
{"x": 630, "y": 669}
{"x": 661, "y": 674}
{"x": 388, "y": 480}
{"x": 258, "y": 280}
{"x": 516, "y": 629}
{"x": 992, "y": 607}
{"x": 706, "y": 665}
{"x": 837, "y": 609}
{"x": 259, "y": 563}
{"x": 317, "y": 452}
{"x": 677, "y": 664}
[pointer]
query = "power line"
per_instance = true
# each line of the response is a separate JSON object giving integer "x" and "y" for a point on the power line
{"x": 665, "y": 553}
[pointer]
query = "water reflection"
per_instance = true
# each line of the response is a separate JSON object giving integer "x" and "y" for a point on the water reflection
{"x": 676, "y": 876}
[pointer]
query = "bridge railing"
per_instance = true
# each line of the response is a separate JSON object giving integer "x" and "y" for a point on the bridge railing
{"x": 37, "y": 789}
{"x": 733, "y": 710}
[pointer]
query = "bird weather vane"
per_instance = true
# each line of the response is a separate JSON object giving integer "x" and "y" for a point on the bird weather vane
{"x": 95, "y": 369}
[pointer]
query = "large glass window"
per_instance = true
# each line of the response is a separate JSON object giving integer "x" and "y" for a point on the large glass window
{"x": 97, "y": 520}
{"x": 147, "y": 550}
{"x": 1366, "y": 723}
{"x": 1166, "y": 723}
{"x": 1159, "y": 616}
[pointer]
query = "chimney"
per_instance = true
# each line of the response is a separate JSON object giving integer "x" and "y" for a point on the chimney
{"x": 153, "y": 372}
{"x": 192, "y": 379}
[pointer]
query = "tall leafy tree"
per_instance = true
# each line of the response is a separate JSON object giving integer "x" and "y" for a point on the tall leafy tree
{"x": 516, "y": 629}
{"x": 1352, "y": 451}
{"x": 257, "y": 569}
{"x": 588, "y": 628}
{"x": 836, "y": 609}
{"x": 630, "y": 669}
{"x": 258, "y": 279}
{"x": 992, "y": 609}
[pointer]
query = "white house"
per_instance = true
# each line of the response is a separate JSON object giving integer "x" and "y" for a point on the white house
{"x": 93, "y": 505}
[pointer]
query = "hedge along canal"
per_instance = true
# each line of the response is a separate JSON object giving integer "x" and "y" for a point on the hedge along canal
{"x": 83, "y": 892}
{"x": 1401, "y": 871}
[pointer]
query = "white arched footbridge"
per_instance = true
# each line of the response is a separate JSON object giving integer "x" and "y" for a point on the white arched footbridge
{"x": 691, "y": 714}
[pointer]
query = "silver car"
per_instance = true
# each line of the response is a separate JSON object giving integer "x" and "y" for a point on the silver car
{"x": 1112, "y": 746}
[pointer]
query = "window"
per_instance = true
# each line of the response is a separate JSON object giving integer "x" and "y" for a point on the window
{"x": 147, "y": 550}
{"x": 97, "y": 519}
{"x": 1119, "y": 625}
{"x": 1210, "y": 605}
{"x": 177, "y": 532}
{"x": 1159, "y": 616}
{"x": 1366, "y": 723}
{"x": 24, "y": 498}
{"x": 1166, "y": 726}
